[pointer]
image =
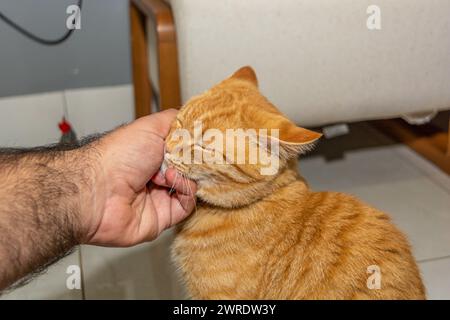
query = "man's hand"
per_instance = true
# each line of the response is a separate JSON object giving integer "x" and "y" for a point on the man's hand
{"x": 127, "y": 205}
{"x": 53, "y": 198}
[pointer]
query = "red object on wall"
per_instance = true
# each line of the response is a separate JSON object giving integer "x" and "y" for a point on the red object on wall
{"x": 68, "y": 136}
{"x": 64, "y": 126}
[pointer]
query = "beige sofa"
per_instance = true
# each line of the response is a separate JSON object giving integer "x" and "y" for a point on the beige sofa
{"x": 317, "y": 60}
{"x": 320, "y": 61}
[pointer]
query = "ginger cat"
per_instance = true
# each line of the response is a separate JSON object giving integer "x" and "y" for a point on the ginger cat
{"x": 257, "y": 236}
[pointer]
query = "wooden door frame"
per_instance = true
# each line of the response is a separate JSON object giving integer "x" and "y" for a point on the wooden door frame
{"x": 142, "y": 13}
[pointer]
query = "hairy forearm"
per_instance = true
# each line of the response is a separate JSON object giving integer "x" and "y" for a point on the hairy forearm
{"x": 42, "y": 192}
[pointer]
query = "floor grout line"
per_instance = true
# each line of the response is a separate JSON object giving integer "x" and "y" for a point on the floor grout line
{"x": 426, "y": 171}
{"x": 83, "y": 284}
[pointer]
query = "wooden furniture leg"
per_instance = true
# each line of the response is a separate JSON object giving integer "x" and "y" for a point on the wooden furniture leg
{"x": 140, "y": 69}
{"x": 160, "y": 13}
{"x": 427, "y": 140}
{"x": 448, "y": 139}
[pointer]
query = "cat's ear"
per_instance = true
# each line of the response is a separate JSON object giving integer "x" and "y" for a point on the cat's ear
{"x": 292, "y": 134}
{"x": 293, "y": 139}
{"x": 246, "y": 73}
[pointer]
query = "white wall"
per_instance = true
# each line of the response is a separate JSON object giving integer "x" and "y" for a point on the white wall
{"x": 32, "y": 120}
{"x": 96, "y": 55}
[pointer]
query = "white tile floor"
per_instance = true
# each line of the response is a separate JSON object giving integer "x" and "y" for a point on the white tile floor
{"x": 50, "y": 285}
{"x": 141, "y": 272}
{"x": 393, "y": 178}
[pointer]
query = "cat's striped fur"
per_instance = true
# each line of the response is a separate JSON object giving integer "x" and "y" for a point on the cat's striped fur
{"x": 271, "y": 237}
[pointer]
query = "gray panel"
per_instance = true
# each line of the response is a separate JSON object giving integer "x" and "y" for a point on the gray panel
{"x": 96, "y": 55}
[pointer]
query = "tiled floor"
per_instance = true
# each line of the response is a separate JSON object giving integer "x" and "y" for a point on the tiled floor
{"x": 142, "y": 272}
{"x": 365, "y": 163}
{"x": 50, "y": 285}
{"x": 392, "y": 178}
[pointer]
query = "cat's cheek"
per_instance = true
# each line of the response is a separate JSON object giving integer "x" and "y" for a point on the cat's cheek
{"x": 200, "y": 193}
{"x": 203, "y": 189}
{"x": 200, "y": 188}
{"x": 163, "y": 168}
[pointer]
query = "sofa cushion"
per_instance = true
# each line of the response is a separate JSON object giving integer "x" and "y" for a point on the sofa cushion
{"x": 316, "y": 59}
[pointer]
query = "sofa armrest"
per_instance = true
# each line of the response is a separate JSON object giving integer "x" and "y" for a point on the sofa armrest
{"x": 159, "y": 13}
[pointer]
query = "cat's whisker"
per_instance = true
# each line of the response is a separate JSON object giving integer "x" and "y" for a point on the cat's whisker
{"x": 172, "y": 188}
{"x": 191, "y": 193}
{"x": 187, "y": 190}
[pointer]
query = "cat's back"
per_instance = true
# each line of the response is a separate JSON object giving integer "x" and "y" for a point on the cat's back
{"x": 344, "y": 242}
{"x": 296, "y": 244}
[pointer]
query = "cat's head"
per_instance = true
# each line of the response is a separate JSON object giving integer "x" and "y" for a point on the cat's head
{"x": 233, "y": 142}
